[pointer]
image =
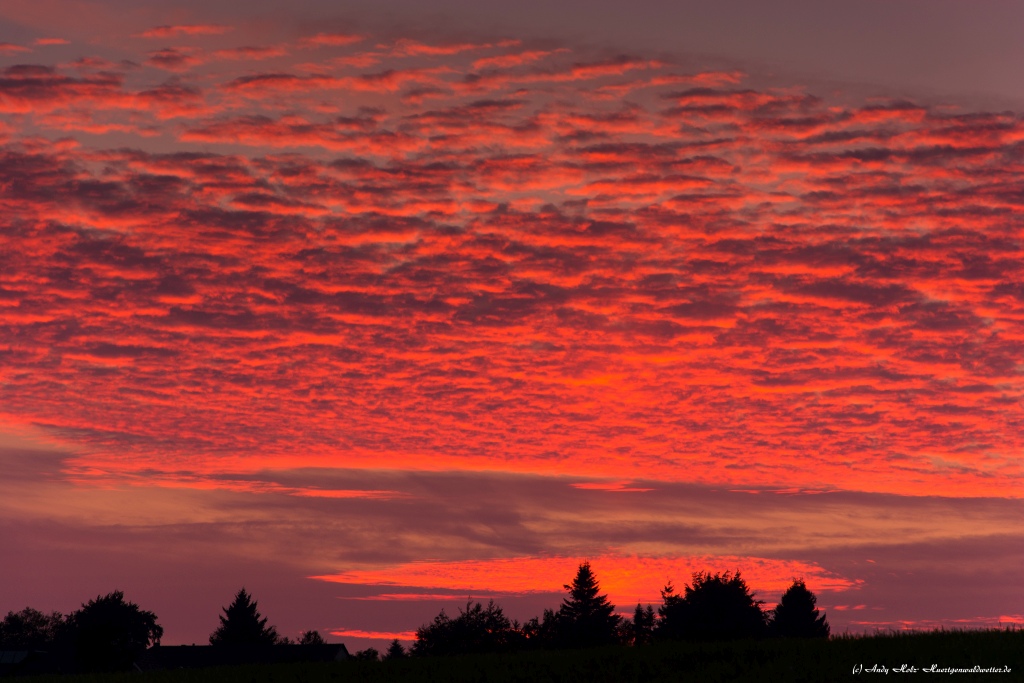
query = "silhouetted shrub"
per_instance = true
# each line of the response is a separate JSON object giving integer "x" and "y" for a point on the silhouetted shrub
{"x": 370, "y": 654}
{"x": 109, "y": 633}
{"x": 541, "y": 632}
{"x": 796, "y": 615}
{"x": 714, "y": 607}
{"x": 243, "y": 625}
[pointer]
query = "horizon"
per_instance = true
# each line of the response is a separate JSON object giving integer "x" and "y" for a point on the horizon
{"x": 377, "y": 310}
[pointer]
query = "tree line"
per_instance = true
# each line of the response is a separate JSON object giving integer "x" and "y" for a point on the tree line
{"x": 109, "y": 633}
{"x": 711, "y": 607}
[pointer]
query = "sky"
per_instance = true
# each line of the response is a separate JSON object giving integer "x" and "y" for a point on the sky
{"x": 376, "y": 309}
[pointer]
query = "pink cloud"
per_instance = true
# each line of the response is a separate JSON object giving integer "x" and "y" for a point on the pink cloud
{"x": 330, "y": 40}
{"x": 12, "y": 49}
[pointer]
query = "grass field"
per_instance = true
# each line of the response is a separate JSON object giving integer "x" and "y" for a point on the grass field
{"x": 765, "y": 660}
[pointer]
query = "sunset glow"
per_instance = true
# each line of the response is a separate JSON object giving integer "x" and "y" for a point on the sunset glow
{"x": 371, "y": 312}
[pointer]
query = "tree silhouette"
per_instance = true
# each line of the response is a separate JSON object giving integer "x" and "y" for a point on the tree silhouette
{"x": 311, "y": 638}
{"x": 394, "y": 651}
{"x": 670, "y": 614}
{"x": 476, "y": 629}
{"x": 541, "y": 632}
{"x": 30, "y": 629}
{"x": 714, "y": 607}
{"x": 109, "y": 633}
{"x": 370, "y": 654}
{"x": 243, "y": 625}
{"x": 641, "y": 629}
{"x": 796, "y": 615}
{"x": 587, "y": 618}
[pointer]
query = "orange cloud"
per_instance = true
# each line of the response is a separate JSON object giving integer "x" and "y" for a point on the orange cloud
{"x": 627, "y": 579}
{"x": 736, "y": 286}
{"x": 412, "y": 48}
{"x": 330, "y": 40}
{"x": 377, "y": 635}
{"x": 170, "y": 31}
{"x": 511, "y": 60}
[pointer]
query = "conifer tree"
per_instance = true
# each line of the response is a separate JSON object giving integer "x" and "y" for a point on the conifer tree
{"x": 642, "y": 625}
{"x": 394, "y": 651}
{"x": 797, "y": 616}
{"x": 586, "y": 617}
{"x": 242, "y": 624}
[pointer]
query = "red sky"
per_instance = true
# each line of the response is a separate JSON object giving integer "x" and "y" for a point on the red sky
{"x": 370, "y": 315}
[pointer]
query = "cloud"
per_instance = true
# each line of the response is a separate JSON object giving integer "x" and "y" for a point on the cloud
{"x": 172, "y": 59}
{"x": 514, "y": 538}
{"x": 376, "y": 635}
{"x": 170, "y": 31}
{"x": 251, "y": 52}
{"x": 330, "y": 40}
{"x": 37, "y": 88}
{"x": 487, "y": 265}
{"x": 13, "y": 49}
{"x": 627, "y": 579}
{"x": 514, "y": 59}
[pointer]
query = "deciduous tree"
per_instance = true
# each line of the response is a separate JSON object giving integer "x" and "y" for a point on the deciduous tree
{"x": 713, "y": 607}
{"x": 311, "y": 638}
{"x": 109, "y": 633}
{"x": 476, "y": 629}
{"x": 30, "y": 629}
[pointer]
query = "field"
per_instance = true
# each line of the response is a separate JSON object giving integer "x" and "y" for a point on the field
{"x": 766, "y": 660}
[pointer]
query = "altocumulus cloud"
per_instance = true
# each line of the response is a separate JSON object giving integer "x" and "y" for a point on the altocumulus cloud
{"x": 328, "y": 283}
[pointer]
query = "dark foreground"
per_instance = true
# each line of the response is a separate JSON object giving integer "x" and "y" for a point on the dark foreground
{"x": 766, "y": 660}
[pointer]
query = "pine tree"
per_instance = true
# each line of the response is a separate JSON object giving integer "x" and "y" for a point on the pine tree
{"x": 394, "y": 651}
{"x": 587, "y": 618}
{"x": 242, "y": 624}
{"x": 796, "y": 615}
{"x": 643, "y": 625}
{"x": 670, "y": 618}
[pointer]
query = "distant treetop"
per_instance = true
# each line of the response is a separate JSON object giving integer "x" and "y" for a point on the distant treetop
{"x": 797, "y": 616}
{"x": 109, "y": 633}
{"x": 586, "y": 617}
{"x": 242, "y": 624}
